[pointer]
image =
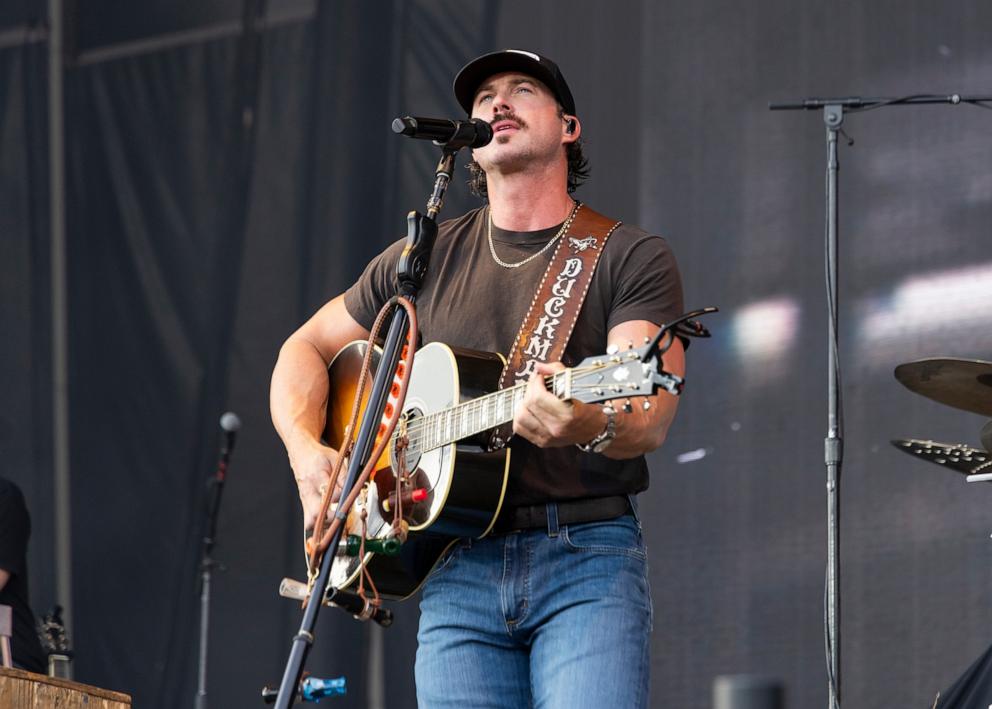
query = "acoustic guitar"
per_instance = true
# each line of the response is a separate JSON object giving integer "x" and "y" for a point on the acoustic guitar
{"x": 456, "y": 476}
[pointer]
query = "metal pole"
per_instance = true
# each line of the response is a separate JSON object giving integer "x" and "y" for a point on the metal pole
{"x": 833, "y": 116}
{"x": 304, "y": 638}
{"x": 375, "y": 673}
{"x": 60, "y": 337}
{"x": 410, "y": 270}
{"x": 201, "y": 685}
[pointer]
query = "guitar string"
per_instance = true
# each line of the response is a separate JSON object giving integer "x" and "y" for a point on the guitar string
{"x": 470, "y": 408}
{"x": 483, "y": 405}
{"x": 423, "y": 431}
{"x": 425, "y": 428}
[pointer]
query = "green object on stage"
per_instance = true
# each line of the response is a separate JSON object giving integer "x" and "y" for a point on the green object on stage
{"x": 390, "y": 546}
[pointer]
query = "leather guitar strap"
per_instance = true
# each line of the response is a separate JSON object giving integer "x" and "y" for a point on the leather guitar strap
{"x": 554, "y": 311}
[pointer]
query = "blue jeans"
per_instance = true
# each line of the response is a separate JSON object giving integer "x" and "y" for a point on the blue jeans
{"x": 557, "y": 617}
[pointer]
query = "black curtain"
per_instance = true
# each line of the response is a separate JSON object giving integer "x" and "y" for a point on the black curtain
{"x": 972, "y": 689}
{"x": 187, "y": 275}
{"x": 25, "y": 290}
{"x": 201, "y": 234}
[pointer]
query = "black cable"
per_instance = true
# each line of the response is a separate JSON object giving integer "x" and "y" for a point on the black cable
{"x": 829, "y": 268}
{"x": 880, "y": 104}
{"x": 953, "y": 99}
{"x": 828, "y": 641}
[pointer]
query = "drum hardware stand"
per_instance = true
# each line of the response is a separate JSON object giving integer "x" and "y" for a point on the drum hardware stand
{"x": 833, "y": 117}
{"x": 411, "y": 269}
{"x": 986, "y": 436}
{"x": 975, "y": 478}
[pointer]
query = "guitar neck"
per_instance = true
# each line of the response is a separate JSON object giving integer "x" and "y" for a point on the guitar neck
{"x": 595, "y": 379}
{"x": 469, "y": 418}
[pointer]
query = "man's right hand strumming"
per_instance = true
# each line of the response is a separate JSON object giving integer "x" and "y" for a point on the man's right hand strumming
{"x": 312, "y": 467}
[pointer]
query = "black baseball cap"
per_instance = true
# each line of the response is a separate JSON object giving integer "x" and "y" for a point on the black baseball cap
{"x": 478, "y": 70}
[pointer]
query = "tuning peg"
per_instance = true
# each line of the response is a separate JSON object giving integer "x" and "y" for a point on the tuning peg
{"x": 613, "y": 349}
{"x": 627, "y": 408}
{"x": 630, "y": 344}
{"x": 646, "y": 339}
{"x": 646, "y": 405}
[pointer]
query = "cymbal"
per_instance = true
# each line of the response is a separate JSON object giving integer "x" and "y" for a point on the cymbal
{"x": 955, "y": 456}
{"x": 961, "y": 383}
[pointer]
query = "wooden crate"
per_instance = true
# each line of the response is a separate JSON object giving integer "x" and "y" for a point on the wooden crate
{"x": 26, "y": 690}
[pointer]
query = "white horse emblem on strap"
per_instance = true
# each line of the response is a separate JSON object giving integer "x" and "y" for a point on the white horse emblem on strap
{"x": 578, "y": 245}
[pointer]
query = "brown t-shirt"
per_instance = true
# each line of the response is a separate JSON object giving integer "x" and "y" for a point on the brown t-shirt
{"x": 470, "y": 301}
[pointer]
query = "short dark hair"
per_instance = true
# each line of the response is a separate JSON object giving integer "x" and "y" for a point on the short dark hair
{"x": 578, "y": 169}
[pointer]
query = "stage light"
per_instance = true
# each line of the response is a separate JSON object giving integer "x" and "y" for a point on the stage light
{"x": 944, "y": 312}
{"x": 765, "y": 330}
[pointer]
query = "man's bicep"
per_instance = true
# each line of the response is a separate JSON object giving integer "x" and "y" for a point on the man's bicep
{"x": 633, "y": 333}
{"x": 644, "y": 430}
{"x": 331, "y": 328}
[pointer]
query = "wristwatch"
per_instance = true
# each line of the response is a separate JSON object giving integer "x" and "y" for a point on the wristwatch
{"x": 601, "y": 442}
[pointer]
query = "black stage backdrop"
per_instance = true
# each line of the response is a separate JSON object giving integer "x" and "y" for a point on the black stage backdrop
{"x": 222, "y": 185}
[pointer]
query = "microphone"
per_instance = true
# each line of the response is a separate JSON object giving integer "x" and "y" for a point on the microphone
{"x": 359, "y": 607}
{"x": 473, "y": 133}
{"x": 230, "y": 424}
{"x": 349, "y": 602}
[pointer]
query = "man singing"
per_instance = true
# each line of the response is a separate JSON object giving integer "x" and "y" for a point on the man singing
{"x": 552, "y": 609}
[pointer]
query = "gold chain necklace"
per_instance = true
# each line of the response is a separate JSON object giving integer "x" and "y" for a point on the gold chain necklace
{"x": 561, "y": 232}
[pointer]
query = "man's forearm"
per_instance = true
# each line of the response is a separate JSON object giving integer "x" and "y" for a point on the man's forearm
{"x": 641, "y": 431}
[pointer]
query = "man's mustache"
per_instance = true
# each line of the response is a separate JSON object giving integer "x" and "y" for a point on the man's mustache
{"x": 508, "y": 117}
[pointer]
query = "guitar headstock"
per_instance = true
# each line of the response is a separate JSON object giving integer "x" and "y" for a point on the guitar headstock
{"x": 634, "y": 372}
{"x": 618, "y": 375}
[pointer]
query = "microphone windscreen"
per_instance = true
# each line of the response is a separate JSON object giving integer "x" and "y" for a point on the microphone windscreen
{"x": 230, "y": 422}
{"x": 484, "y": 133}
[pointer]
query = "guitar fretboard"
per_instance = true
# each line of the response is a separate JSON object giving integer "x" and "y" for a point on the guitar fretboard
{"x": 442, "y": 428}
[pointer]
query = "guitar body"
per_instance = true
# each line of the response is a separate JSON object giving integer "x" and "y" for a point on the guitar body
{"x": 464, "y": 482}
{"x": 454, "y": 485}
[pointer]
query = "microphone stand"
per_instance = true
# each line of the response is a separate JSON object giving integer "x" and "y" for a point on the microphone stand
{"x": 411, "y": 269}
{"x": 207, "y": 565}
{"x": 833, "y": 117}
